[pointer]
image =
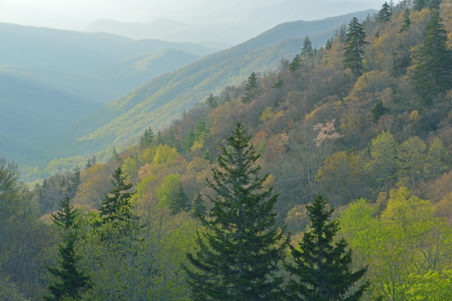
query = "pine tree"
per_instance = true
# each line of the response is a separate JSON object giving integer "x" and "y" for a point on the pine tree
{"x": 117, "y": 204}
{"x": 240, "y": 249}
{"x": 433, "y": 72}
{"x": 406, "y": 20}
{"x": 307, "y": 47}
{"x": 321, "y": 269}
{"x": 71, "y": 282}
{"x": 353, "y": 49}
{"x": 384, "y": 15}
{"x": 250, "y": 88}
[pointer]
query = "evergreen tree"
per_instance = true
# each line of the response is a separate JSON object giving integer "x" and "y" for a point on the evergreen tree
{"x": 307, "y": 47}
{"x": 71, "y": 282}
{"x": 329, "y": 44}
{"x": 211, "y": 101}
{"x": 74, "y": 183}
{"x": 321, "y": 269}
{"x": 406, "y": 20}
{"x": 171, "y": 139}
{"x": 189, "y": 139}
{"x": 432, "y": 4}
{"x": 433, "y": 72}
{"x": 180, "y": 202}
{"x": 198, "y": 206}
{"x": 159, "y": 139}
{"x": 241, "y": 246}
{"x": 117, "y": 204}
{"x": 353, "y": 49}
{"x": 295, "y": 64}
{"x": 201, "y": 129}
{"x": 384, "y": 15}
{"x": 147, "y": 137}
{"x": 250, "y": 88}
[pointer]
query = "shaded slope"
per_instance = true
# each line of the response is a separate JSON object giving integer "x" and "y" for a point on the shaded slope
{"x": 32, "y": 114}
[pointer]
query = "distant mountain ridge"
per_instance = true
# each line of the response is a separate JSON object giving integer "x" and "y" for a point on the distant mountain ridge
{"x": 51, "y": 78}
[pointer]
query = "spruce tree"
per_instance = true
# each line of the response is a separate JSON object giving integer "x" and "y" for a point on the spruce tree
{"x": 321, "y": 269}
{"x": 307, "y": 47}
{"x": 117, "y": 204}
{"x": 433, "y": 72}
{"x": 71, "y": 282}
{"x": 384, "y": 15}
{"x": 240, "y": 247}
{"x": 250, "y": 88}
{"x": 355, "y": 41}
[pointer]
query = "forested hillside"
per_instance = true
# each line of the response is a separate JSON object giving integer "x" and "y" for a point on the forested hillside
{"x": 165, "y": 98}
{"x": 365, "y": 121}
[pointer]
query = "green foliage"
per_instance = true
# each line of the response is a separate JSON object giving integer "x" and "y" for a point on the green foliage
{"x": 384, "y": 15}
{"x": 164, "y": 154}
{"x": 240, "y": 247}
{"x": 322, "y": 267}
{"x": 250, "y": 88}
{"x": 403, "y": 246}
{"x": 171, "y": 195}
{"x": 117, "y": 205}
{"x": 379, "y": 110}
{"x": 307, "y": 49}
{"x": 406, "y": 21}
{"x": 384, "y": 162}
{"x": 147, "y": 137}
{"x": 71, "y": 281}
{"x": 353, "y": 47}
{"x": 432, "y": 74}
{"x": 420, "y": 4}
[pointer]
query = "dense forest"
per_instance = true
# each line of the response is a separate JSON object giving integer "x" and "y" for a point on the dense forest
{"x": 328, "y": 179}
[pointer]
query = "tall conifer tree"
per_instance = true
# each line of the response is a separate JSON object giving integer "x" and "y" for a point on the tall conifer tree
{"x": 71, "y": 282}
{"x": 321, "y": 269}
{"x": 117, "y": 204}
{"x": 307, "y": 47}
{"x": 384, "y": 15}
{"x": 433, "y": 73}
{"x": 241, "y": 246}
{"x": 355, "y": 41}
{"x": 250, "y": 88}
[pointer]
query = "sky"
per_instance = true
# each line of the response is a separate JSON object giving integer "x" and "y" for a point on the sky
{"x": 77, "y": 14}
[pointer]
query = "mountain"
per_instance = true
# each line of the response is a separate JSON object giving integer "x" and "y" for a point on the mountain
{"x": 130, "y": 73}
{"x": 225, "y": 23}
{"x": 32, "y": 114}
{"x": 163, "y": 99}
{"x": 75, "y": 52}
{"x": 52, "y": 78}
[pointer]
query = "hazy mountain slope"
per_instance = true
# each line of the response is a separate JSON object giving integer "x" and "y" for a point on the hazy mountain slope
{"x": 31, "y": 114}
{"x": 74, "y": 52}
{"x": 52, "y": 78}
{"x": 166, "y": 97}
{"x": 130, "y": 73}
{"x": 300, "y": 29}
